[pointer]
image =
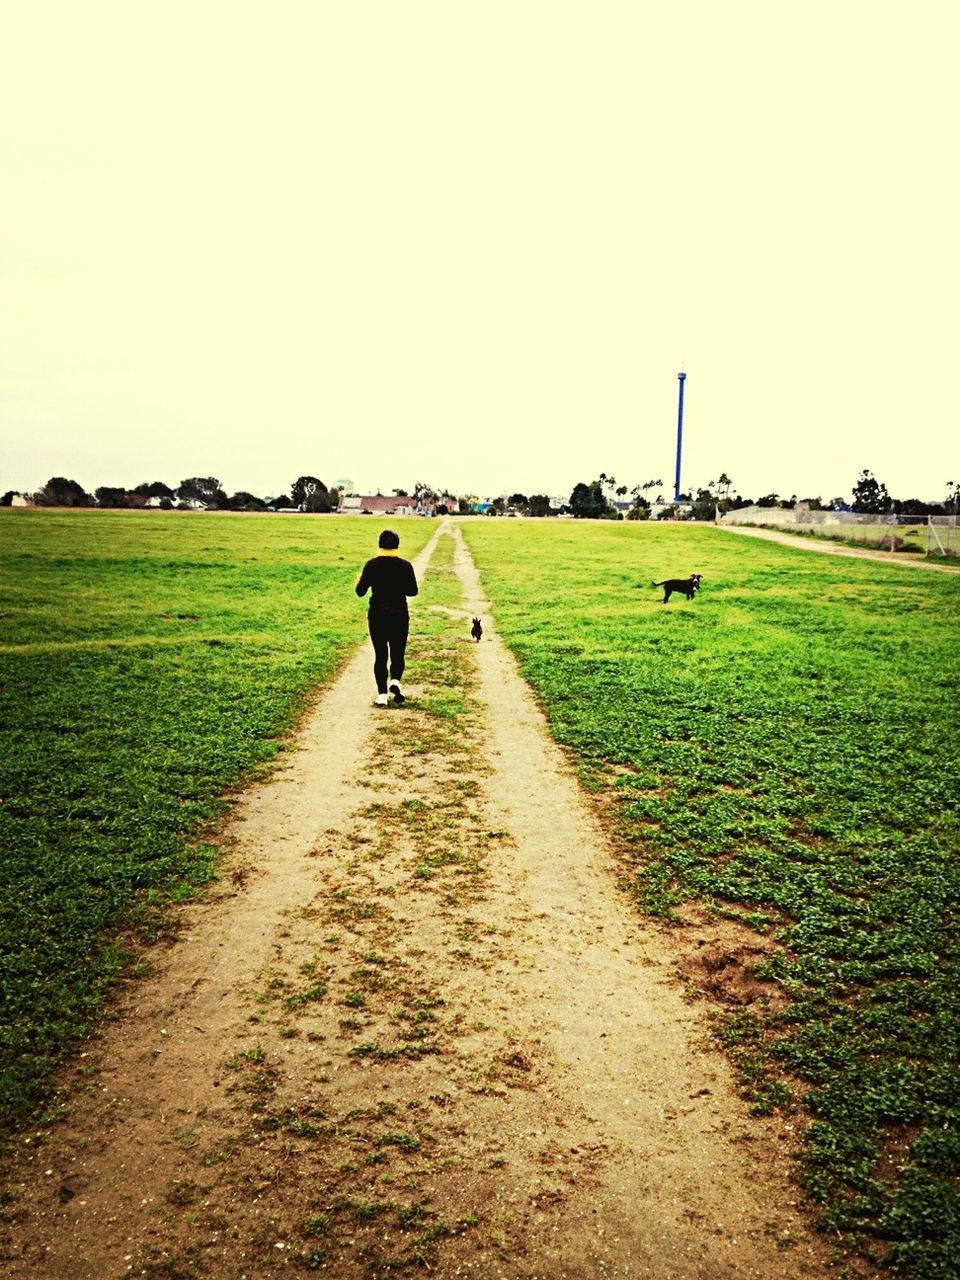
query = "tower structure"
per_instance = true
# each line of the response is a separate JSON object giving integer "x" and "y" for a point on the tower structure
{"x": 681, "y": 378}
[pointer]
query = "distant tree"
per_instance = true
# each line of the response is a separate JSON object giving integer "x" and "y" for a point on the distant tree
{"x": 704, "y": 505}
{"x": 870, "y": 496}
{"x": 400, "y": 493}
{"x": 283, "y": 502}
{"x": 498, "y": 506}
{"x": 538, "y": 504}
{"x": 425, "y": 497}
{"x": 322, "y": 500}
{"x": 243, "y": 501}
{"x": 639, "y": 506}
{"x": 311, "y": 494}
{"x": 205, "y": 489}
{"x": 769, "y": 500}
{"x": 153, "y": 489}
{"x": 639, "y": 509}
{"x": 107, "y": 496}
{"x": 587, "y": 501}
{"x": 952, "y": 501}
{"x": 8, "y": 497}
{"x": 610, "y": 484}
{"x": 302, "y": 486}
{"x": 722, "y": 490}
{"x": 467, "y": 504}
{"x": 61, "y": 492}
{"x": 917, "y": 507}
{"x": 517, "y": 501}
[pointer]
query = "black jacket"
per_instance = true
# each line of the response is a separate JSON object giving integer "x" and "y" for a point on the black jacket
{"x": 389, "y": 579}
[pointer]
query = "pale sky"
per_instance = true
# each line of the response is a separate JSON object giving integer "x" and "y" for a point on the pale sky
{"x": 473, "y": 244}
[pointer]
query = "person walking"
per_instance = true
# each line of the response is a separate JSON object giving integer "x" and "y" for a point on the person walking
{"x": 390, "y": 580}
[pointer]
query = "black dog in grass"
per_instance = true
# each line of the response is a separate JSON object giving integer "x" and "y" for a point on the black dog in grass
{"x": 476, "y": 630}
{"x": 684, "y": 586}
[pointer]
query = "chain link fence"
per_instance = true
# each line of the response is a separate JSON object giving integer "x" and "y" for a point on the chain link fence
{"x": 927, "y": 535}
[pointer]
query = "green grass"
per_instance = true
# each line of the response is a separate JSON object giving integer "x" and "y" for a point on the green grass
{"x": 783, "y": 750}
{"x": 148, "y": 663}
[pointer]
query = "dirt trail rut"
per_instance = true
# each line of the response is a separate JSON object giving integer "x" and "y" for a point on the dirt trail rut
{"x": 416, "y": 1026}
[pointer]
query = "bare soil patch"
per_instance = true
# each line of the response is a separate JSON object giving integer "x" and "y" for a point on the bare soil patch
{"x": 416, "y": 1028}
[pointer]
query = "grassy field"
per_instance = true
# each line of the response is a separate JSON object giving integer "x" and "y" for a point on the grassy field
{"x": 148, "y": 662}
{"x": 780, "y": 760}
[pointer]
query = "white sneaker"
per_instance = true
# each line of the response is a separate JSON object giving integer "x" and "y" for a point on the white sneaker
{"x": 396, "y": 691}
{"x": 380, "y": 700}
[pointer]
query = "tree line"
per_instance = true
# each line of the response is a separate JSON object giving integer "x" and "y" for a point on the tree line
{"x": 599, "y": 499}
{"x": 307, "y": 493}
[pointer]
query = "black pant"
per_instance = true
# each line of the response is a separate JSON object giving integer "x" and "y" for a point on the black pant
{"x": 388, "y": 631}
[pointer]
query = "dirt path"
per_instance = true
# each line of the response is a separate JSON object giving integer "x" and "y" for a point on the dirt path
{"x": 829, "y": 548}
{"x": 416, "y": 1027}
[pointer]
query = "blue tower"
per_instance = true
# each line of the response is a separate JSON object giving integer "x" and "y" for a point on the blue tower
{"x": 681, "y": 377}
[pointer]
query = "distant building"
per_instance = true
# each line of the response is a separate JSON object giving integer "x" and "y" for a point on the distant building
{"x": 376, "y": 504}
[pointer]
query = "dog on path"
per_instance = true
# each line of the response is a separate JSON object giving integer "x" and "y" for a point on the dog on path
{"x": 684, "y": 586}
{"x": 476, "y": 630}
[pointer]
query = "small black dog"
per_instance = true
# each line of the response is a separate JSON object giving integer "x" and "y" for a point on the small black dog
{"x": 476, "y": 630}
{"x": 686, "y": 586}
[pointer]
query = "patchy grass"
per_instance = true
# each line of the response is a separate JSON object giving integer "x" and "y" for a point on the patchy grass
{"x": 149, "y": 662}
{"x": 781, "y": 754}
